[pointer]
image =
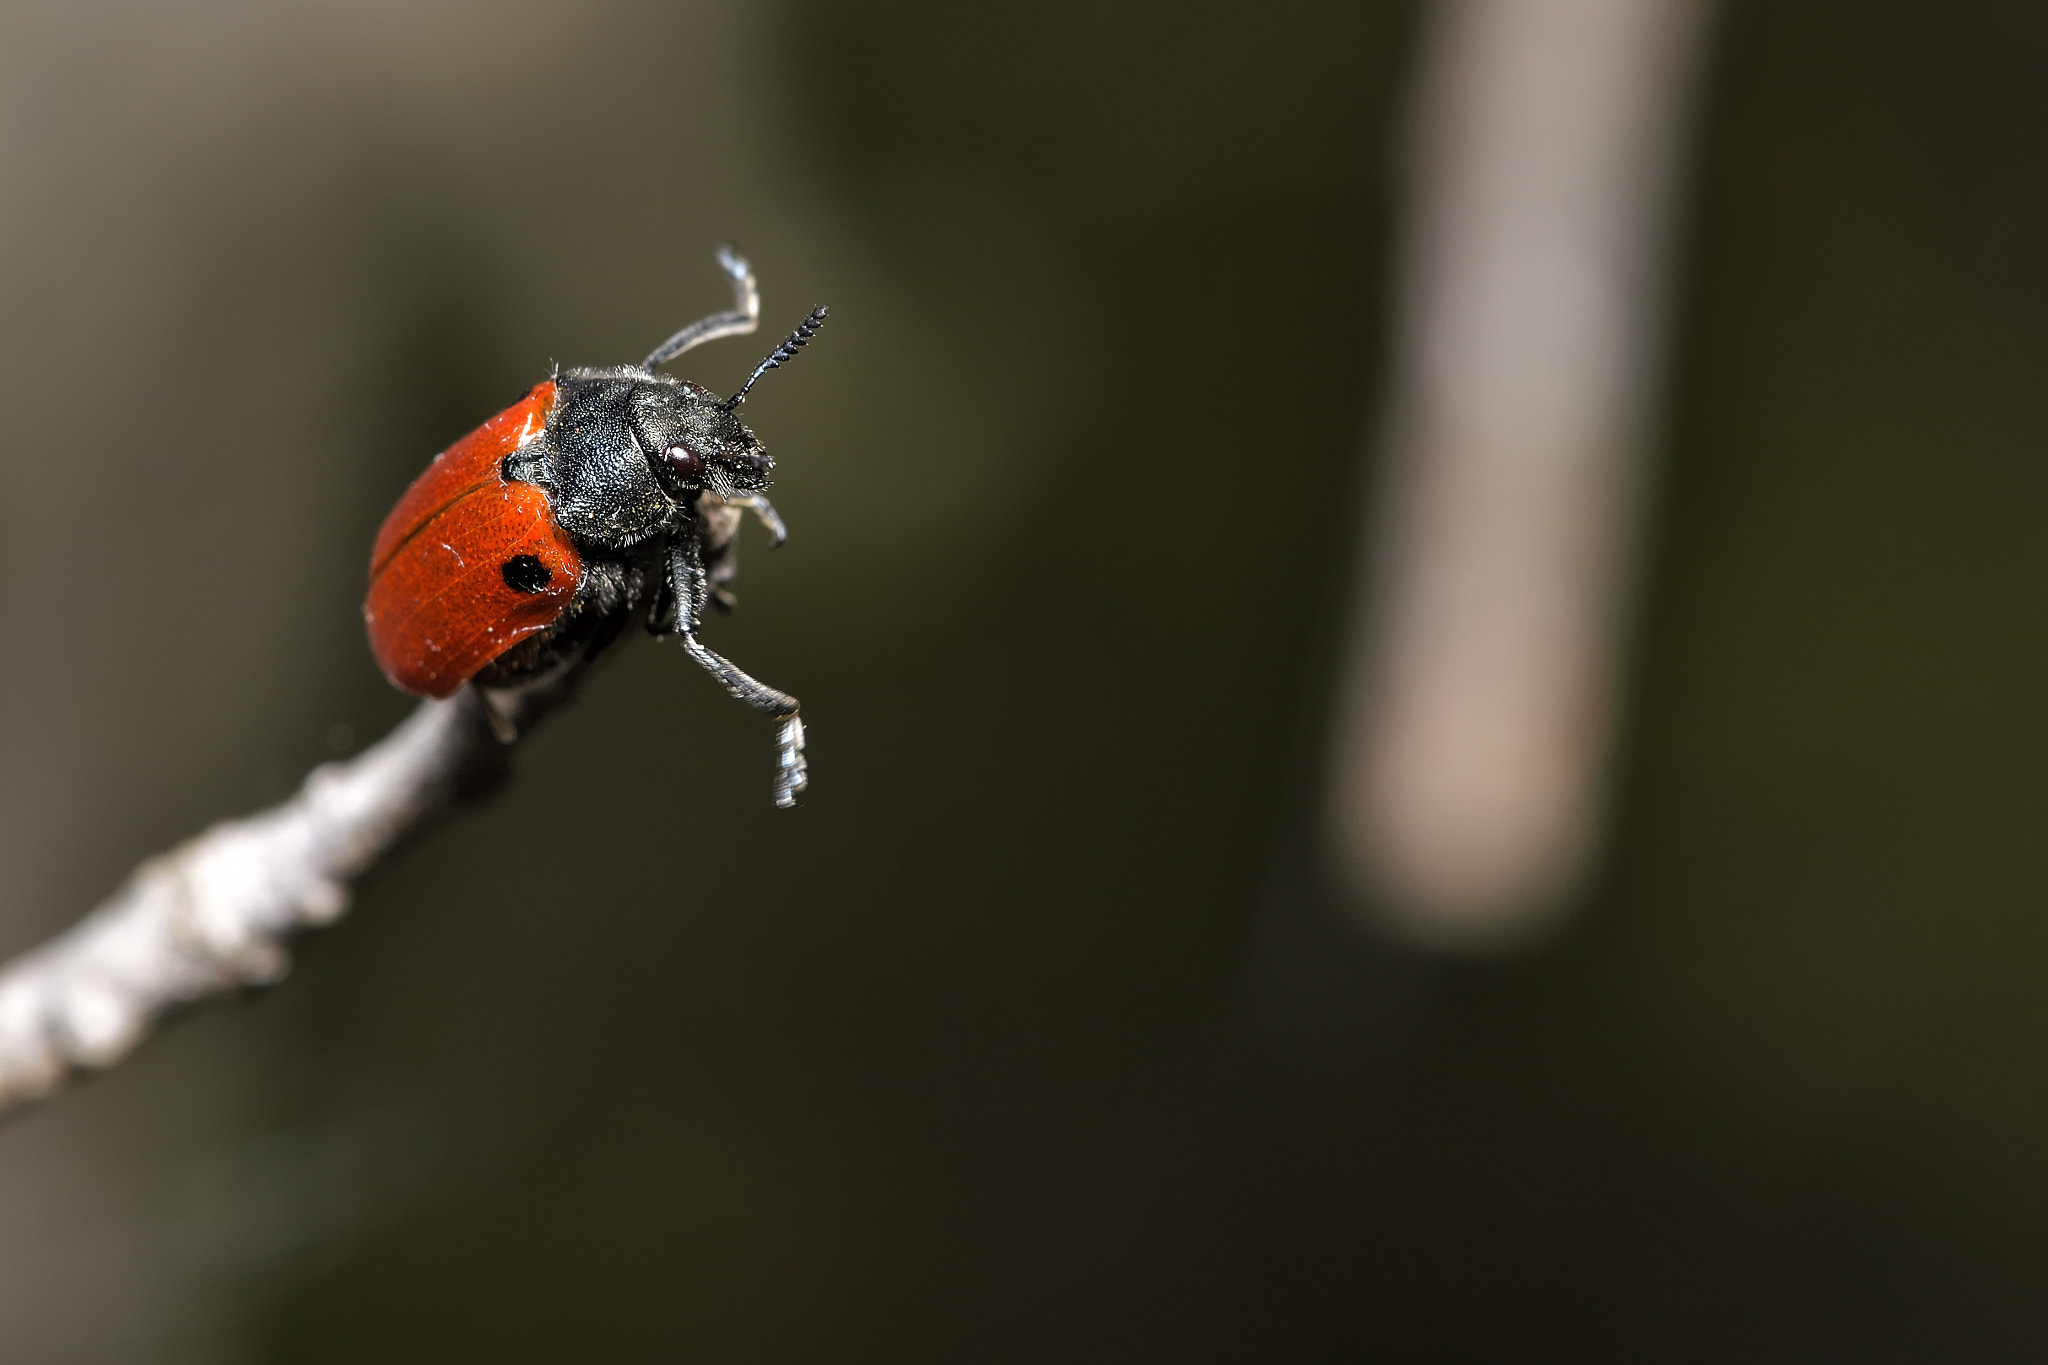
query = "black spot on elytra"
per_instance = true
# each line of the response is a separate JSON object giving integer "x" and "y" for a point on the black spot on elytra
{"x": 524, "y": 573}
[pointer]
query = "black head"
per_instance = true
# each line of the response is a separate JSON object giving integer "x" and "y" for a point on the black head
{"x": 626, "y": 449}
{"x": 694, "y": 437}
{"x": 629, "y": 449}
{"x": 693, "y": 440}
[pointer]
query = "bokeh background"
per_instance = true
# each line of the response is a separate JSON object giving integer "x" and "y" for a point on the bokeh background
{"x": 1040, "y": 1031}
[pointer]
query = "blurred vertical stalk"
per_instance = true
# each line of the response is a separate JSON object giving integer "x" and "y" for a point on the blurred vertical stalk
{"x": 1480, "y": 690}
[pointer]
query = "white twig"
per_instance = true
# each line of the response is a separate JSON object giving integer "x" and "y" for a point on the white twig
{"x": 1474, "y": 724}
{"x": 213, "y": 914}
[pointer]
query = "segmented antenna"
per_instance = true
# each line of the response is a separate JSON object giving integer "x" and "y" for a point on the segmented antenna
{"x": 781, "y": 355}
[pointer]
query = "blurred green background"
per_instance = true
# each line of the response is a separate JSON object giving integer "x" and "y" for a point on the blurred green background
{"x": 1037, "y": 1032}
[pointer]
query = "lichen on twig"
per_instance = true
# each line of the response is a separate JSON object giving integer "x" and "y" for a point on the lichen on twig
{"x": 214, "y": 914}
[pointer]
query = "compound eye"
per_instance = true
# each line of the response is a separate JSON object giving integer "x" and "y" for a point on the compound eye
{"x": 685, "y": 462}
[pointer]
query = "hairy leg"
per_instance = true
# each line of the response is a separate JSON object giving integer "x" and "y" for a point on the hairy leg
{"x": 744, "y": 317}
{"x": 765, "y": 510}
{"x": 692, "y": 593}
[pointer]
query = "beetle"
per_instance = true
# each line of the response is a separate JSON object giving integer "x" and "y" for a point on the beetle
{"x": 602, "y": 497}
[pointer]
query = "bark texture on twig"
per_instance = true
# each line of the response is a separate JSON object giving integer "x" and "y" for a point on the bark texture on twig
{"x": 213, "y": 915}
{"x": 1473, "y": 727}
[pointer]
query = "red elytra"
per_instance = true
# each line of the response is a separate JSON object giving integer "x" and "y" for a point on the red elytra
{"x": 440, "y": 607}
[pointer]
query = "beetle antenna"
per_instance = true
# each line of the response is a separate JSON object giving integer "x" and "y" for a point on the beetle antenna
{"x": 781, "y": 355}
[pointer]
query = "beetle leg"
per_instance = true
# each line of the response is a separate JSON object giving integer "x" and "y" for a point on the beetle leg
{"x": 744, "y": 317}
{"x": 765, "y": 510}
{"x": 692, "y": 592}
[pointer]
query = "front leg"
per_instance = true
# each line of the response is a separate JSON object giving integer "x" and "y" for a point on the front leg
{"x": 770, "y": 518}
{"x": 692, "y": 592}
{"x": 743, "y": 318}
{"x": 718, "y": 539}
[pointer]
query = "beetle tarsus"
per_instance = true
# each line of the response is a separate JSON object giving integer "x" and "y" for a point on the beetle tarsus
{"x": 744, "y": 317}
{"x": 692, "y": 592}
{"x": 791, "y": 774}
{"x": 765, "y": 510}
